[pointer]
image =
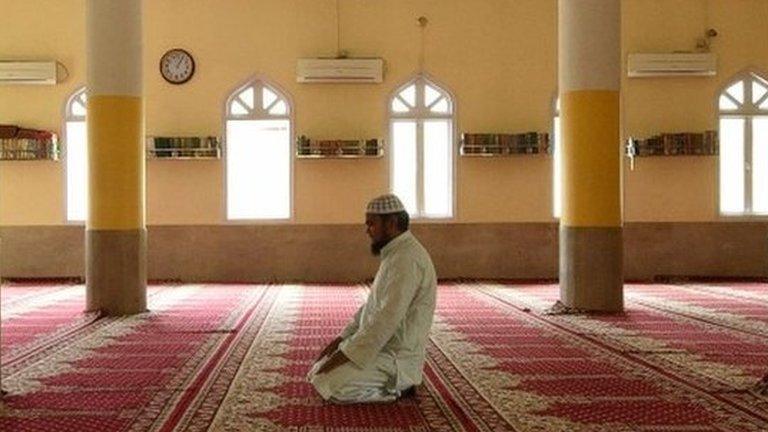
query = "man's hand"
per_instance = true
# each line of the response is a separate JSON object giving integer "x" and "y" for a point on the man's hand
{"x": 333, "y": 346}
{"x": 336, "y": 360}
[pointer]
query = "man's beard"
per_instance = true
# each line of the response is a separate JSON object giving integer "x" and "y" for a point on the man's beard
{"x": 377, "y": 246}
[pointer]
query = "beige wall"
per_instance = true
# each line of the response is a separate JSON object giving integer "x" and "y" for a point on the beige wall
{"x": 498, "y": 57}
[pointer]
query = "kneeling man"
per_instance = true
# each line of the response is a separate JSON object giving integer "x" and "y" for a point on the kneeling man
{"x": 380, "y": 354}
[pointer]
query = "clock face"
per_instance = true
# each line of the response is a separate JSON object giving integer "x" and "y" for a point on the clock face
{"x": 177, "y": 66}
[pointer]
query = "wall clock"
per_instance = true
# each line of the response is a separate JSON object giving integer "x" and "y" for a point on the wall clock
{"x": 177, "y": 66}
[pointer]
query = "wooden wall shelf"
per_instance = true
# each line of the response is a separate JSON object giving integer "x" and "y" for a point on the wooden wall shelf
{"x": 18, "y": 144}
{"x": 673, "y": 144}
{"x": 183, "y": 148}
{"x": 503, "y": 144}
{"x": 338, "y": 148}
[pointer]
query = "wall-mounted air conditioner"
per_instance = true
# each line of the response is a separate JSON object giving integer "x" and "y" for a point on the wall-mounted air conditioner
{"x": 346, "y": 70}
{"x": 674, "y": 64}
{"x": 27, "y": 72}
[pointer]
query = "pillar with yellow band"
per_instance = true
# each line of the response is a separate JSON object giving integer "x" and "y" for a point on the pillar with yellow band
{"x": 591, "y": 276}
{"x": 116, "y": 165}
{"x": 116, "y": 229}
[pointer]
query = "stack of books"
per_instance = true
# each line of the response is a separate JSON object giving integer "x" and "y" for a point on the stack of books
{"x": 504, "y": 143}
{"x": 337, "y": 147}
{"x": 672, "y": 144}
{"x": 184, "y": 147}
{"x": 27, "y": 144}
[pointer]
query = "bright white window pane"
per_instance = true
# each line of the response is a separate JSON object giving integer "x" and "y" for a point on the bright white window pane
{"x": 236, "y": 108}
{"x": 409, "y": 95}
{"x": 760, "y": 165}
{"x": 268, "y": 98}
{"x": 258, "y": 169}
{"x": 758, "y": 91}
{"x": 77, "y": 171}
{"x": 557, "y": 170}
{"x": 78, "y": 109}
{"x": 404, "y": 163}
{"x": 440, "y": 107}
{"x": 399, "y": 106}
{"x": 280, "y": 108}
{"x": 726, "y": 103}
{"x": 246, "y": 97}
{"x": 764, "y": 105}
{"x": 732, "y": 165}
{"x": 437, "y": 168}
{"x": 430, "y": 95}
{"x": 737, "y": 91}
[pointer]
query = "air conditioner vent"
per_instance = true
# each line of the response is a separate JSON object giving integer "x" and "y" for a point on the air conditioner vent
{"x": 27, "y": 72}
{"x": 340, "y": 70}
{"x": 674, "y": 64}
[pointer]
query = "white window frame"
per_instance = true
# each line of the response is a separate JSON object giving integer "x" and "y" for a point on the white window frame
{"x": 259, "y": 113}
{"x": 747, "y": 111}
{"x": 419, "y": 115}
{"x": 557, "y": 152}
{"x": 79, "y": 96}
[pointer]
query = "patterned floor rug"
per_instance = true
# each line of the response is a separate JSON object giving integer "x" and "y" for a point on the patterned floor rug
{"x": 233, "y": 358}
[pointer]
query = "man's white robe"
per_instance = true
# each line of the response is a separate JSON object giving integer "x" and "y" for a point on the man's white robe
{"x": 385, "y": 341}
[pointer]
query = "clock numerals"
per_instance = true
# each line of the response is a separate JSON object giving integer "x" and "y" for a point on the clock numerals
{"x": 177, "y": 66}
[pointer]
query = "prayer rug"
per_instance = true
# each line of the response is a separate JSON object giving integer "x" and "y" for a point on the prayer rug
{"x": 235, "y": 357}
{"x": 36, "y": 318}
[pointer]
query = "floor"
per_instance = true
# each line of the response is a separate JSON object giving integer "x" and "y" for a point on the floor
{"x": 233, "y": 358}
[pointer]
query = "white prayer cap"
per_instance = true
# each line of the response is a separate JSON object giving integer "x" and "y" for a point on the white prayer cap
{"x": 385, "y": 204}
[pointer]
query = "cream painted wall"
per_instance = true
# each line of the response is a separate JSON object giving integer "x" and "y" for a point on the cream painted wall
{"x": 683, "y": 188}
{"x": 498, "y": 57}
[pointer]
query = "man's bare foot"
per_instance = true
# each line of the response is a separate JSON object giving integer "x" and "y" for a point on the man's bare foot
{"x": 410, "y": 392}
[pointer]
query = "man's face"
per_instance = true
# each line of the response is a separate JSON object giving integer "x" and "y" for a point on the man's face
{"x": 379, "y": 230}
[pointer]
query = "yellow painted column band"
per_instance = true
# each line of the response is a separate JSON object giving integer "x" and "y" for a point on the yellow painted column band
{"x": 591, "y": 158}
{"x": 116, "y": 163}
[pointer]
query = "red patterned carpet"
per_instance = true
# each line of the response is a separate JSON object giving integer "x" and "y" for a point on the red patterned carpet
{"x": 233, "y": 358}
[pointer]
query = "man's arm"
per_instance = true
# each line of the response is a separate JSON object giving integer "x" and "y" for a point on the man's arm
{"x": 337, "y": 359}
{"x": 348, "y": 331}
{"x": 353, "y": 325}
{"x": 395, "y": 296}
{"x": 330, "y": 348}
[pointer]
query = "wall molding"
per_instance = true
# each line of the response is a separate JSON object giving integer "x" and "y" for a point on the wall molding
{"x": 340, "y": 253}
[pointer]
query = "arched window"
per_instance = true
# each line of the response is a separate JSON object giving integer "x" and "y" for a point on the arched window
{"x": 743, "y": 112}
{"x": 421, "y": 137}
{"x": 258, "y": 153}
{"x": 557, "y": 162}
{"x": 76, "y": 156}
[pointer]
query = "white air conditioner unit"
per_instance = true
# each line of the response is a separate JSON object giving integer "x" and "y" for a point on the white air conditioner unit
{"x": 27, "y": 72}
{"x": 674, "y": 64}
{"x": 347, "y": 70}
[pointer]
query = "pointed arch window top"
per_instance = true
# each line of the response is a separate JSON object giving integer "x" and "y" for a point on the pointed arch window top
{"x": 748, "y": 94}
{"x": 736, "y": 92}
{"x": 76, "y": 106}
{"x": 759, "y": 91}
{"x": 421, "y": 98}
{"x": 258, "y": 100}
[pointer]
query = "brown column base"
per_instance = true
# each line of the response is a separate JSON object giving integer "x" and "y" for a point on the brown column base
{"x": 591, "y": 276}
{"x": 116, "y": 271}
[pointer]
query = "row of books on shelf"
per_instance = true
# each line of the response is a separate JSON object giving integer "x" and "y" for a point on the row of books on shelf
{"x": 18, "y": 143}
{"x": 685, "y": 143}
{"x": 337, "y": 147}
{"x": 504, "y": 143}
{"x": 184, "y": 147}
